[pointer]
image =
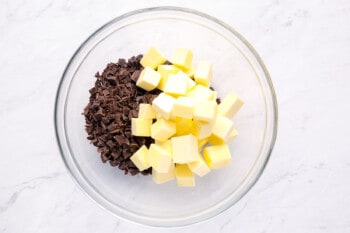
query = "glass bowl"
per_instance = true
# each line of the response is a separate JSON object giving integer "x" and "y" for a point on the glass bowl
{"x": 236, "y": 67}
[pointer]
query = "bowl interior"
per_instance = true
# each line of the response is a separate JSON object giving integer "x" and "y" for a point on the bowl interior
{"x": 235, "y": 68}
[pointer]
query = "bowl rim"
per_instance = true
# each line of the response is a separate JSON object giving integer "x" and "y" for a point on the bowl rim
{"x": 152, "y": 221}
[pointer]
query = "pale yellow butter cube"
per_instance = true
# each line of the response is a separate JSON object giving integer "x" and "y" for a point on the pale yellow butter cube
{"x": 152, "y": 58}
{"x": 165, "y": 71}
{"x": 148, "y": 79}
{"x": 205, "y": 111}
{"x": 159, "y": 158}
{"x": 202, "y": 143}
{"x": 162, "y": 129}
{"x": 185, "y": 149}
{"x": 199, "y": 167}
{"x": 222, "y": 128}
{"x": 182, "y": 58}
{"x": 183, "y": 126}
{"x": 217, "y": 156}
{"x": 190, "y": 72}
{"x": 139, "y": 158}
{"x": 163, "y": 104}
{"x": 201, "y": 130}
{"x": 163, "y": 177}
{"x": 166, "y": 145}
{"x": 204, "y": 73}
{"x": 175, "y": 86}
{"x": 200, "y": 92}
{"x": 184, "y": 76}
{"x": 230, "y": 105}
{"x": 146, "y": 111}
{"x": 141, "y": 127}
{"x": 183, "y": 107}
{"x": 184, "y": 176}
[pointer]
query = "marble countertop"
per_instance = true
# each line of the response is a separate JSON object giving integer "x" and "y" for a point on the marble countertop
{"x": 306, "y": 47}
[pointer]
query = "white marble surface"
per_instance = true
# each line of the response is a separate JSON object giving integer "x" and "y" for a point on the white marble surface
{"x": 306, "y": 47}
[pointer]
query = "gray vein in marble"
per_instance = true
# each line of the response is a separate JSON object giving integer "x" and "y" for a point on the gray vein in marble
{"x": 26, "y": 185}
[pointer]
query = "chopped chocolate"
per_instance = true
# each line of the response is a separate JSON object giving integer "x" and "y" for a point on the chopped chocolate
{"x": 114, "y": 100}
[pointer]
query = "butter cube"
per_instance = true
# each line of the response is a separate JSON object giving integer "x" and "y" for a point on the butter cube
{"x": 217, "y": 156}
{"x": 146, "y": 111}
{"x": 190, "y": 82}
{"x": 163, "y": 104}
{"x": 139, "y": 158}
{"x": 182, "y": 58}
{"x": 230, "y": 105}
{"x": 163, "y": 177}
{"x": 190, "y": 72}
{"x": 148, "y": 79}
{"x": 205, "y": 111}
{"x": 202, "y": 142}
{"x": 183, "y": 126}
{"x": 175, "y": 86}
{"x": 199, "y": 167}
{"x": 165, "y": 71}
{"x": 185, "y": 149}
{"x": 215, "y": 141}
{"x": 203, "y": 73}
{"x": 202, "y": 130}
{"x": 222, "y": 128}
{"x": 162, "y": 129}
{"x": 184, "y": 176}
{"x": 152, "y": 58}
{"x": 159, "y": 158}
{"x": 183, "y": 107}
{"x": 200, "y": 92}
{"x": 141, "y": 127}
{"x": 166, "y": 145}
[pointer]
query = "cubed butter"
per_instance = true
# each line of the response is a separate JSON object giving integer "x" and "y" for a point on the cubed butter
{"x": 230, "y": 105}
{"x": 217, "y": 156}
{"x": 159, "y": 158}
{"x": 139, "y": 158}
{"x": 165, "y": 71}
{"x": 202, "y": 143}
{"x": 200, "y": 92}
{"x": 146, "y": 111}
{"x": 201, "y": 130}
{"x": 215, "y": 141}
{"x": 199, "y": 167}
{"x": 163, "y": 177}
{"x": 163, "y": 105}
{"x": 184, "y": 176}
{"x": 184, "y": 76}
{"x": 183, "y": 126}
{"x": 152, "y": 58}
{"x": 183, "y": 107}
{"x": 191, "y": 72}
{"x": 148, "y": 79}
{"x": 166, "y": 145}
{"x": 222, "y": 128}
{"x": 205, "y": 111}
{"x": 214, "y": 96}
{"x": 182, "y": 57}
{"x": 141, "y": 127}
{"x": 162, "y": 129}
{"x": 185, "y": 149}
{"x": 175, "y": 86}
{"x": 204, "y": 73}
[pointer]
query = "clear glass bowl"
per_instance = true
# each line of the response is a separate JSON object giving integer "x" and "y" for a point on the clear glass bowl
{"x": 237, "y": 67}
